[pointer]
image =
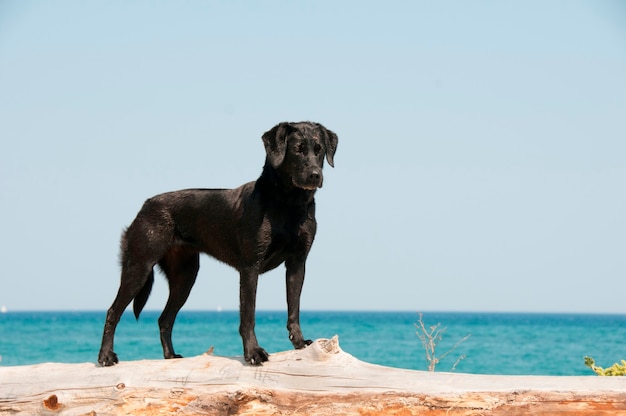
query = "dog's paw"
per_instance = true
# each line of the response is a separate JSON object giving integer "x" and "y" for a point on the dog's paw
{"x": 107, "y": 359}
{"x": 173, "y": 356}
{"x": 299, "y": 342}
{"x": 300, "y": 345}
{"x": 257, "y": 356}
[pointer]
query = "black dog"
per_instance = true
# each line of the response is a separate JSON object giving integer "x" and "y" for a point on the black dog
{"x": 253, "y": 228}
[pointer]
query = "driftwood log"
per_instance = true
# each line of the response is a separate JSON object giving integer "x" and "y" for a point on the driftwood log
{"x": 319, "y": 380}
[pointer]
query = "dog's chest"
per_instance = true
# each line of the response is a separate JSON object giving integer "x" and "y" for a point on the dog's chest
{"x": 287, "y": 232}
{"x": 288, "y": 236}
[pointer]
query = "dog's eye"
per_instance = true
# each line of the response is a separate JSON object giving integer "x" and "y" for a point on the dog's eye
{"x": 300, "y": 148}
{"x": 317, "y": 149}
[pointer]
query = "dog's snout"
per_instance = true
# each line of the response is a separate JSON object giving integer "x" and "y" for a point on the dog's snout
{"x": 311, "y": 179}
{"x": 315, "y": 175}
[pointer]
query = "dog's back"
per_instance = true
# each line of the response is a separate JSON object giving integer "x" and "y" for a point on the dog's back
{"x": 204, "y": 220}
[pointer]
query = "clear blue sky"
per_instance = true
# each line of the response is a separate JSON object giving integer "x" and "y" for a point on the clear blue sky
{"x": 481, "y": 162}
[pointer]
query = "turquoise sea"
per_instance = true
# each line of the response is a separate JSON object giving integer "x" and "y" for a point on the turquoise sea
{"x": 500, "y": 343}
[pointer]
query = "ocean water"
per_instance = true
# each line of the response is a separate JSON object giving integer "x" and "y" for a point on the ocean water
{"x": 500, "y": 343}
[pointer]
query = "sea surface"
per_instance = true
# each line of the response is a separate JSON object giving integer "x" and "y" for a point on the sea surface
{"x": 500, "y": 343}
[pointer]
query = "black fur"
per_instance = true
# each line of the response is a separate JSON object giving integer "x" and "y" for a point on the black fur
{"x": 253, "y": 228}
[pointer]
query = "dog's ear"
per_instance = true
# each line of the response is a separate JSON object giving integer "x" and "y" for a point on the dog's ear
{"x": 330, "y": 142}
{"x": 275, "y": 142}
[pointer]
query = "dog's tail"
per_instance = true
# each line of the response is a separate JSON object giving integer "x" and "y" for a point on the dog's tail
{"x": 143, "y": 295}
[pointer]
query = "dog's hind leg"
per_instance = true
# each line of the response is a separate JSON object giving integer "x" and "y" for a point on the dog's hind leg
{"x": 144, "y": 243}
{"x": 134, "y": 278}
{"x": 181, "y": 268}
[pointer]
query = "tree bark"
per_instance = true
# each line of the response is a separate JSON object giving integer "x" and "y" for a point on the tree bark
{"x": 318, "y": 380}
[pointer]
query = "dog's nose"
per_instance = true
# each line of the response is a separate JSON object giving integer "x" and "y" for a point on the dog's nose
{"x": 315, "y": 175}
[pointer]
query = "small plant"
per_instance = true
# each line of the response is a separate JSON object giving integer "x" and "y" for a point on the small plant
{"x": 430, "y": 337}
{"x": 615, "y": 370}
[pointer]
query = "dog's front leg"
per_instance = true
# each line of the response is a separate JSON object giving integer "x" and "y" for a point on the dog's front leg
{"x": 295, "y": 281}
{"x": 253, "y": 353}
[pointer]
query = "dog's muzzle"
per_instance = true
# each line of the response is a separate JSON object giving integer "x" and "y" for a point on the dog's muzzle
{"x": 310, "y": 182}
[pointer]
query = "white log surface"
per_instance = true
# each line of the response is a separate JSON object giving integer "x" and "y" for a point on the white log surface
{"x": 318, "y": 380}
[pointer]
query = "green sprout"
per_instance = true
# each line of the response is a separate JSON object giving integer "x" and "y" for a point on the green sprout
{"x": 615, "y": 370}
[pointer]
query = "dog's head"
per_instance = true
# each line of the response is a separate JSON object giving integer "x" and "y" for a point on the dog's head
{"x": 298, "y": 149}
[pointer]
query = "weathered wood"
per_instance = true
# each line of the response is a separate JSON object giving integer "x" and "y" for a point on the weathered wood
{"x": 319, "y": 380}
